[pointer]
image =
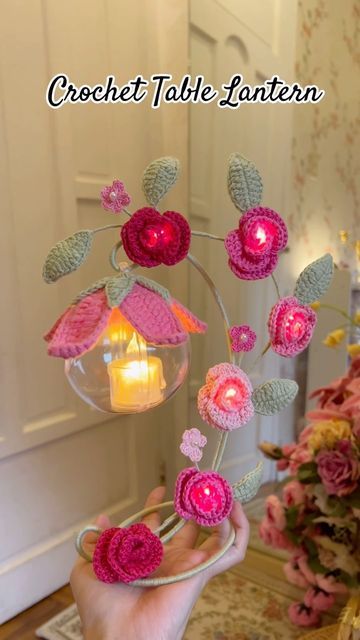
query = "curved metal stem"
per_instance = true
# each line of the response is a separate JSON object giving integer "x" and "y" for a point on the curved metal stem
{"x": 204, "y": 234}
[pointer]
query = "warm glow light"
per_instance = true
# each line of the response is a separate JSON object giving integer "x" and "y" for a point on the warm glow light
{"x": 295, "y": 326}
{"x": 261, "y": 235}
{"x": 231, "y": 396}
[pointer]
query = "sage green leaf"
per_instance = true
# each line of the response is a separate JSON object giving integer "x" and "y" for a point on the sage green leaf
{"x": 67, "y": 255}
{"x": 153, "y": 286}
{"x": 99, "y": 284}
{"x": 315, "y": 280}
{"x": 244, "y": 183}
{"x": 272, "y": 396}
{"x": 159, "y": 177}
{"x": 117, "y": 288}
{"x": 247, "y": 488}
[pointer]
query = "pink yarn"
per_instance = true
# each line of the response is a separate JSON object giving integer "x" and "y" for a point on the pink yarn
{"x": 114, "y": 197}
{"x": 303, "y": 616}
{"x": 150, "y": 239}
{"x": 253, "y": 248}
{"x": 291, "y": 325}
{"x": 224, "y": 401}
{"x": 79, "y": 327}
{"x": 242, "y": 337}
{"x": 124, "y": 555}
{"x": 192, "y": 443}
{"x": 203, "y": 496}
{"x": 189, "y": 321}
{"x": 152, "y": 317}
{"x": 318, "y": 599}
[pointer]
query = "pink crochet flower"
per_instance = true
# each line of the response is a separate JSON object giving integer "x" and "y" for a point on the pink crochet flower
{"x": 253, "y": 248}
{"x": 150, "y": 239}
{"x": 114, "y": 197}
{"x": 243, "y": 338}
{"x": 291, "y": 325}
{"x": 124, "y": 555}
{"x": 224, "y": 401}
{"x": 203, "y": 496}
{"x": 192, "y": 443}
{"x": 318, "y": 599}
{"x": 303, "y": 616}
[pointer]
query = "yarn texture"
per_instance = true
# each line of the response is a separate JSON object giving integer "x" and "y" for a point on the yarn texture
{"x": 192, "y": 444}
{"x": 242, "y": 338}
{"x": 124, "y": 555}
{"x": 203, "y": 496}
{"x": 224, "y": 401}
{"x": 253, "y": 248}
{"x": 247, "y": 488}
{"x": 291, "y": 325}
{"x": 150, "y": 238}
{"x": 315, "y": 280}
{"x": 274, "y": 395}
{"x": 114, "y": 198}
{"x": 67, "y": 255}
{"x": 244, "y": 183}
{"x": 159, "y": 177}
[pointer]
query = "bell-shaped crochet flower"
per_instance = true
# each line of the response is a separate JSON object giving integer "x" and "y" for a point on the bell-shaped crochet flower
{"x": 114, "y": 197}
{"x": 150, "y": 238}
{"x": 224, "y": 401}
{"x": 203, "y": 496}
{"x": 253, "y": 248}
{"x": 291, "y": 325}
{"x": 157, "y": 317}
{"x": 124, "y": 555}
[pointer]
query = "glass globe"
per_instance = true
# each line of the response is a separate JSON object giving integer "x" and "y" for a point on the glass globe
{"x": 122, "y": 373}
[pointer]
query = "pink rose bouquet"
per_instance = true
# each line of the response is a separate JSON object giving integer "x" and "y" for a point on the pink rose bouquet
{"x": 317, "y": 517}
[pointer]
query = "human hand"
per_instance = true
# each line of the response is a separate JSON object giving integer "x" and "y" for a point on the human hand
{"x": 122, "y": 612}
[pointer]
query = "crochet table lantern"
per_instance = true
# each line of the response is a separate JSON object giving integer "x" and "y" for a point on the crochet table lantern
{"x": 125, "y": 342}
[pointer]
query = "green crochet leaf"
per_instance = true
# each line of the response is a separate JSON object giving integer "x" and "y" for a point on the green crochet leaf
{"x": 247, "y": 488}
{"x": 67, "y": 255}
{"x": 315, "y": 280}
{"x": 154, "y": 286}
{"x": 99, "y": 284}
{"x": 244, "y": 183}
{"x": 272, "y": 396}
{"x": 158, "y": 179}
{"x": 117, "y": 288}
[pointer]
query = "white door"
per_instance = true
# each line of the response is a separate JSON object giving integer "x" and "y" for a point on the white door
{"x": 256, "y": 39}
{"x": 62, "y": 463}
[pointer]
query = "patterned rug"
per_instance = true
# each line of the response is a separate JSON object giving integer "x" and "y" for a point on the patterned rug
{"x": 230, "y": 608}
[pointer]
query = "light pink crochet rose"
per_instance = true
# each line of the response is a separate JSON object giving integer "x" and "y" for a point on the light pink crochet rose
{"x": 254, "y": 247}
{"x": 293, "y": 494}
{"x": 291, "y": 325}
{"x": 303, "y": 616}
{"x": 203, "y": 496}
{"x": 318, "y": 599}
{"x": 275, "y": 512}
{"x": 339, "y": 469}
{"x": 224, "y": 401}
{"x": 271, "y": 536}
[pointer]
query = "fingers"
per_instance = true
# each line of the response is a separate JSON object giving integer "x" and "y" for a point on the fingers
{"x": 186, "y": 537}
{"x": 237, "y": 551}
{"x": 152, "y": 520}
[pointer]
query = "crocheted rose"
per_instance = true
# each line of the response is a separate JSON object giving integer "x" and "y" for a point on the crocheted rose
{"x": 291, "y": 325}
{"x": 203, "y": 496}
{"x": 253, "y": 248}
{"x": 242, "y": 338}
{"x": 150, "y": 239}
{"x": 124, "y": 555}
{"x": 114, "y": 197}
{"x": 224, "y": 401}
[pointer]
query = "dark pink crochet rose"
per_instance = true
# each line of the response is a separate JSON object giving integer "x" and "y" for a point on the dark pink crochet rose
{"x": 339, "y": 469}
{"x": 124, "y": 555}
{"x": 150, "y": 238}
{"x": 203, "y": 496}
{"x": 253, "y": 248}
{"x": 291, "y": 325}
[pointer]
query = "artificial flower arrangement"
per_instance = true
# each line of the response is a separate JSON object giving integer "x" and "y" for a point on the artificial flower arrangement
{"x": 125, "y": 341}
{"x": 317, "y": 518}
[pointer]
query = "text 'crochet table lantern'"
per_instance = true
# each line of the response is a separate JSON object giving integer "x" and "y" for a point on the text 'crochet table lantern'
{"x": 125, "y": 342}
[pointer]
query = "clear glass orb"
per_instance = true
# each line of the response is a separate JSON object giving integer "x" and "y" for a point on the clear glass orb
{"x": 122, "y": 373}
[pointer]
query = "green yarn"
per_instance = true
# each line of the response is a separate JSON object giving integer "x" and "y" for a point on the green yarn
{"x": 247, "y": 488}
{"x": 159, "y": 177}
{"x": 99, "y": 284}
{"x": 153, "y": 286}
{"x": 244, "y": 183}
{"x": 315, "y": 280}
{"x": 117, "y": 288}
{"x": 272, "y": 396}
{"x": 67, "y": 255}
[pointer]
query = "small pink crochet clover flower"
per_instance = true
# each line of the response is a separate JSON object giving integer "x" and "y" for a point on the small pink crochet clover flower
{"x": 224, "y": 401}
{"x": 254, "y": 246}
{"x": 291, "y": 325}
{"x": 124, "y": 555}
{"x": 203, "y": 496}
{"x": 192, "y": 443}
{"x": 114, "y": 197}
{"x": 242, "y": 337}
